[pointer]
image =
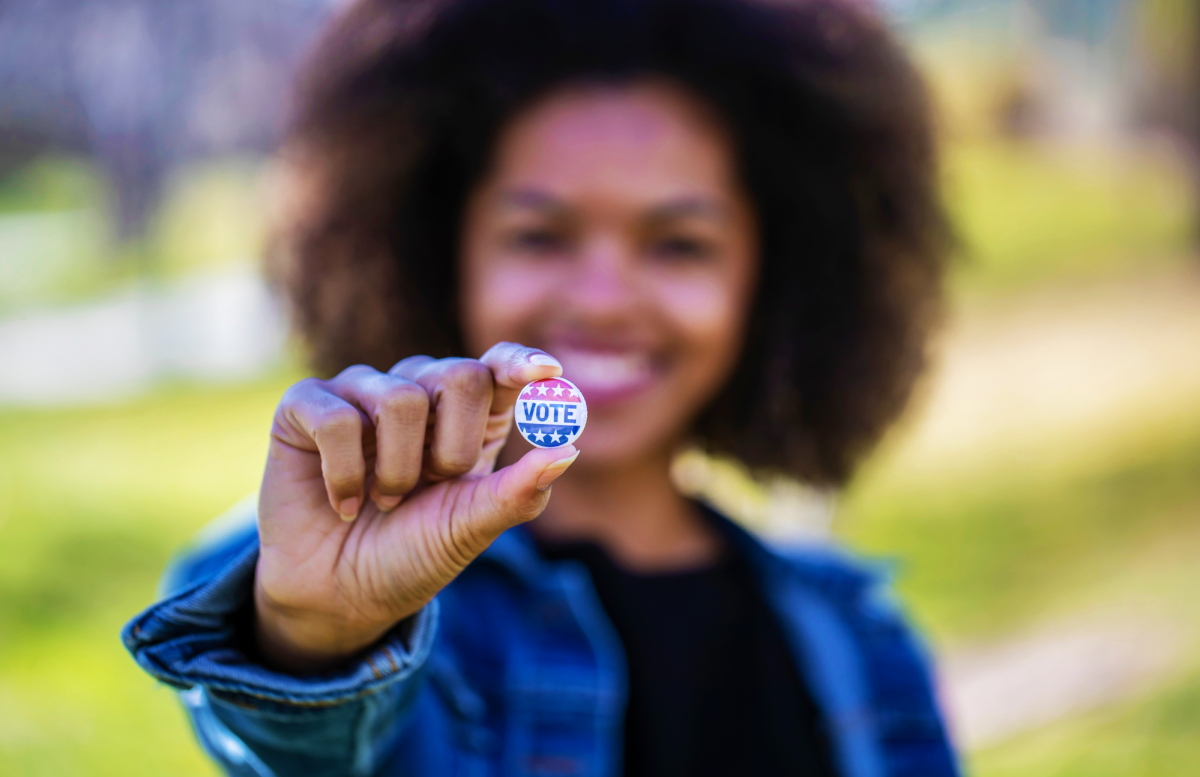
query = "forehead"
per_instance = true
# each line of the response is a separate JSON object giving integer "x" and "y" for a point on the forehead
{"x": 644, "y": 141}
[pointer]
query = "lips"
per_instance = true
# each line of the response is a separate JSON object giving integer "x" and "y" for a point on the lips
{"x": 607, "y": 375}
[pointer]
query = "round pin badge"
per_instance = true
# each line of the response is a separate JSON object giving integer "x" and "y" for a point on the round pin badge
{"x": 551, "y": 413}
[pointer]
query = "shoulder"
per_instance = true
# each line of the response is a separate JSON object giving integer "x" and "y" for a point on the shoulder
{"x": 895, "y": 662}
{"x": 859, "y": 589}
{"x": 860, "y": 592}
{"x": 829, "y": 568}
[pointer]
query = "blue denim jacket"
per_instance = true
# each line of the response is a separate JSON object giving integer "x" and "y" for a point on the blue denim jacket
{"x": 515, "y": 670}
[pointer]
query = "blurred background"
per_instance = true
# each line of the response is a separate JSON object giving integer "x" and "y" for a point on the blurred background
{"x": 1041, "y": 502}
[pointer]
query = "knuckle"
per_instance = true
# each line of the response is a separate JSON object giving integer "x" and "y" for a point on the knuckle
{"x": 347, "y": 482}
{"x": 408, "y": 363}
{"x": 529, "y": 509}
{"x": 519, "y": 505}
{"x": 356, "y": 373}
{"x": 506, "y": 354}
{"x": 468, "y": 376}
{"x": 498, "y": 349}
{"x": 530, "y": 505}
{"x": 453, "y": 463}
{"x": 395, "y": 483}
{"x": 299, "y": 392}
{"x": 405, "y": 401}
{"x": 338, "y": 421}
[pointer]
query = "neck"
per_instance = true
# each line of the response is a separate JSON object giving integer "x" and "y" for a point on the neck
{"x": 633, "y": 512}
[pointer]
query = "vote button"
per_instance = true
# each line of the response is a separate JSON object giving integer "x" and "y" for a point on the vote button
{"x": 551, "y": 413}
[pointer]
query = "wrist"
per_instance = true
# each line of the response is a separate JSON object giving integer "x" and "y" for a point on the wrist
{"x": 301, "y": 641}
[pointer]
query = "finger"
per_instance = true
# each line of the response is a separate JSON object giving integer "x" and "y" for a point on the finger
{"x": 460, "y": 395}
{"x": 519, "y": 492}
{"x": 398, "y": 409}
{"x": 334, "y": 428}
{"x": 513, "y": 366}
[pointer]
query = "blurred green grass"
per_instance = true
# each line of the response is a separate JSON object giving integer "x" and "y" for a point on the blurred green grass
{"x": 986, "y": 554}
{"x": 1152, "y": 737}
{"x": 58, "y": 245}
{"x": 1027, "y": 213}
{"x": 92, "y": 503}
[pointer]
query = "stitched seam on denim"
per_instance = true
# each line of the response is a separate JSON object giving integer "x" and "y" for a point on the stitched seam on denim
{"x": 422, "y": 637}
{"x": 355, "y": 690}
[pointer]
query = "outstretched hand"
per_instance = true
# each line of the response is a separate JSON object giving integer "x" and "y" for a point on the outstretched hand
{"x": 379, "y": 489}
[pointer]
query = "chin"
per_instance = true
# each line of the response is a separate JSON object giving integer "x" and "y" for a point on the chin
{"x": 613, "y": 445}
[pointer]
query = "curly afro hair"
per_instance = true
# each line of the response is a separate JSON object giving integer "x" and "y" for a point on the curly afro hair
{"x": 400, "y": 105}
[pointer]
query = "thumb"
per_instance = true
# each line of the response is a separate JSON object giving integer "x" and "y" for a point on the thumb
{"x": 520, "y": 491}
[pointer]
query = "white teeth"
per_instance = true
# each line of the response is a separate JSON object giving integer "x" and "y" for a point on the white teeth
{"x": 604, "y": 370}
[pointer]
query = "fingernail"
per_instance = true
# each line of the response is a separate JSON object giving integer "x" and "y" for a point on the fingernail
{"x": 544, "y": 360}
{"x": 348, "y": 508}
{"x": 387, "y": 503}
{"x": 551, "y": 473}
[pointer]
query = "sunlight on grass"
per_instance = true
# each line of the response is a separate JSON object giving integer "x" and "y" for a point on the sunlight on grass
{"x": 213, "y": 215}
{"x": 95, "y": 501}
{"x": 55, "y": 237}
{"x": 57, "y": 244}
{"x": 985, "y": 554}
{"x": 1028, "y": 214}
{"x": 1151, "y": 738}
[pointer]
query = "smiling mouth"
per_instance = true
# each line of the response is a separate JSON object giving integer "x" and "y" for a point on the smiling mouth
{"x": 607, "y": 376}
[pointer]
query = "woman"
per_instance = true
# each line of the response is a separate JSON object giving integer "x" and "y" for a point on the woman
{"x": 720, "y": 220}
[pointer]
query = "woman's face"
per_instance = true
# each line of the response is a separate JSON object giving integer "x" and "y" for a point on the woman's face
{"x": 611, "y": 232}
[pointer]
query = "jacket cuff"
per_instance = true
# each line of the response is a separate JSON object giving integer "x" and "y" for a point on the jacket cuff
{"x": 190, "y": 639}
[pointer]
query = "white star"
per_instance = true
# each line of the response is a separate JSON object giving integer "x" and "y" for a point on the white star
{"x": 539, "y": 436}
{"x": 573, "y": 393}
{"x": 541, "y": 389}
{"x": 558, "y": 391}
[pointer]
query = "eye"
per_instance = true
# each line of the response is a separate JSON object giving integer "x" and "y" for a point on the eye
{"x": 538, "y": 241}
{"x": 681, "y": 247}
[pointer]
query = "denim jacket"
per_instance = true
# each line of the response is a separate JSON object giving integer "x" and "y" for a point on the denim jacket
{"x": 515, "y": 670}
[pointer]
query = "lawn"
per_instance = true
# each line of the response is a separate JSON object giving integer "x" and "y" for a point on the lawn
{"x": 983, "y": 555}
{"x": 92, "y": 503}
{"x": 1027, "y": 214}
{"x": 1153, "y": 737}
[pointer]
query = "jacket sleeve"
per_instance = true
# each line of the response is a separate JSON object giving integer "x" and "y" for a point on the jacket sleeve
{"x": 252, "y": 720}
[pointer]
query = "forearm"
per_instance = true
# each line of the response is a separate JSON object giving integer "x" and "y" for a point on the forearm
{"x": 255, "y": 720}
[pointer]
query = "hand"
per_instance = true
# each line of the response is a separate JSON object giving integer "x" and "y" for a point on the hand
{"x": 336, "y": 569}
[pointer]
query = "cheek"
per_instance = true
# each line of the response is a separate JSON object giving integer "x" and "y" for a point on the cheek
{"x": 707, "y": 312}
{"x": 501, "y": 301}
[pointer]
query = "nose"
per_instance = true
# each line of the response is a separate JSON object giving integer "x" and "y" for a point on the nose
{"x": 604, "y": 285}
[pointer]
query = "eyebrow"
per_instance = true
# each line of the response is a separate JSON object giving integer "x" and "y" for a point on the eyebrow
{"x": 686, "y": 207}
{"x": 681, "y": 207}
{"x": 533, "y": 199}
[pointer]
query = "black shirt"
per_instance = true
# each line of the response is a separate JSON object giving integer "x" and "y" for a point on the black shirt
{"x": 713, "y": 688}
